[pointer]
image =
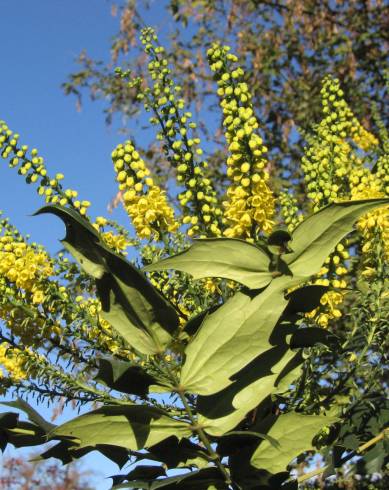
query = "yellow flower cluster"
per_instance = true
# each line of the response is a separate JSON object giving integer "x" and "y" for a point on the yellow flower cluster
{"x": 24, "y": 266}
{"x": 330, "y": 302}
{"x": 181, "y": 144}
{"x": 330, "y": 158}
{"x": 331, "y": 274}
{"x": 14, "y": 361}
{"x": 145, "y": 202}
{"x": 33, "y": 168}
{"x": 250, "y": 203}
{"x": 118, "y": 243}
{"x": 373, "y": 225}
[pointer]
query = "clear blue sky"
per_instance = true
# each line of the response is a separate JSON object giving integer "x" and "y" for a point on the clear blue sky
{"x": 39, "y": 42}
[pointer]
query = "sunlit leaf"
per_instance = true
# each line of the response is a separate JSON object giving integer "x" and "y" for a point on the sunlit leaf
{"x": 228, "y": 258}
{"x": 129, "y": 302}
{"x": 316, "y": 237}
{"x": 133, "y": 427}
{"x": 230, "y": 338}
{"x": 294, "y": 433}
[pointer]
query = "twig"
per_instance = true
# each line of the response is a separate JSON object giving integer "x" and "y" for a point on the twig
{"x": 361, "y": 448}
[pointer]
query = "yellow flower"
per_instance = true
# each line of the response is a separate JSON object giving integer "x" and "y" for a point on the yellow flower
{"x": 38, "y": 296}
{"x": 118, "y": 243}
{"x": 145, "y": 203}
{"x": 250, "y": 204}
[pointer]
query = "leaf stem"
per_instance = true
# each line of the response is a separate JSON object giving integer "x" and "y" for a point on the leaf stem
{"x": 204, "y": 439}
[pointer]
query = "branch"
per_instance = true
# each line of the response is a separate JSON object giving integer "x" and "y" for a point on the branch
{"x": 361, "y": 448}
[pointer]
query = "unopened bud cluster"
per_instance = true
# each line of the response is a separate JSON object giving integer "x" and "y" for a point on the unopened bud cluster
{"x": 32, "y": 166}
{"x": 290, "y": 210}
{"x": 180, "y": 143}
{"x": 329, "y": 159}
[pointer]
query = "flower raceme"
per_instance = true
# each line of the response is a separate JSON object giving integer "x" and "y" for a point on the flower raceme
{"x": 330, "y": 156}
{"x": 24, "y": 266}
{"x": 198, "y": 199}
{"x": 145, "y": 202}
{"x": 32, "y": 166}
{"x": 250, "y": 204}
{"x": 332, "y": 169}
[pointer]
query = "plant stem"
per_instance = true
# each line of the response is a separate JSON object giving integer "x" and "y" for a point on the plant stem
{"x": 196, "y": 428}
{"x": 361, "y": 448}
{"x": 204, "y": 439}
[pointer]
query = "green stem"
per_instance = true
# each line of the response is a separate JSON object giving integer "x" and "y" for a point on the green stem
{"x": 196, "y": 427}
{"x": 204, "y": 439}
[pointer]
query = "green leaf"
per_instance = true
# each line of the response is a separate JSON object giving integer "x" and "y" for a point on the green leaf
{"x": 141, "y": 472}
{"x": 230, "y": 338}
{"x": 246, "y": 435}
{"x": 133, "y": 427}
{"x": 278, "y": 242}
{"x": 305, "y": 299}
{"x": 316, "y": 237}
{"x": 124, "y": 376}
{"x": 66, "y": 452}
{"x": 307, "y": 337}
{"x": 194, "y": 323}
{"x": 139, "y": 313}
{"x": 33, "y": 415}
{"x": 119, "y": 312}
{"x": 178, "y": 453}
{"x": 223, "y": 411}
{"x": 294, "y": 432}
{"x": 373, "y": 460}
{"x": 8, "y": 420}
{"x": 228, "y": 258}
{"x": 26, "y": 434}
{"x": 204, "y": 479}
{"x": 19, "y": 433}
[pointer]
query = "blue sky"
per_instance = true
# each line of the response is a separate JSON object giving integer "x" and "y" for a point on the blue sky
{"x": 39, "y": 42}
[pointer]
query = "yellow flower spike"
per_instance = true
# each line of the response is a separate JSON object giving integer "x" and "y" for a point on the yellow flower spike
{"x": 366, "y": 185}
{"x": 245, "y": 165}
{"x": 182, "y": 145}
{"x": 148, "y": 209}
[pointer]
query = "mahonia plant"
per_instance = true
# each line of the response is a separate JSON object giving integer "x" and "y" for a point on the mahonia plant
{"x": 227, "y": 348}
